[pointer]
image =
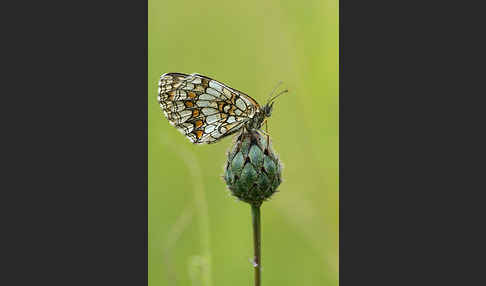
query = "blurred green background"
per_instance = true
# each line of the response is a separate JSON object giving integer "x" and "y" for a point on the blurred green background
{"x": 199, "y": 234}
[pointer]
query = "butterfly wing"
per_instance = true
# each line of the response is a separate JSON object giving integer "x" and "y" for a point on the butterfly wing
{"x": 203, "y": 109}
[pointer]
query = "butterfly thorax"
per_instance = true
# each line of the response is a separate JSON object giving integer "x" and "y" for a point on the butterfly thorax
{"x": 257, "y": 120}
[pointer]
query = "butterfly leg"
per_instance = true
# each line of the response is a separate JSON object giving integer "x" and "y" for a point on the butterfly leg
{"x": 268, "y": 136}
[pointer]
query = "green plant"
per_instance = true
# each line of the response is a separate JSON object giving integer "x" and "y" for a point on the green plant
{"x": 252, "y": 173}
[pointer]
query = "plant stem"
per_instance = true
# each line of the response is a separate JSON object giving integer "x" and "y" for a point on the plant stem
{"x": 257, "y": 264}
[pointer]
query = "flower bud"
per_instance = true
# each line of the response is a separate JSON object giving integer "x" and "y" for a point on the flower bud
{"x": 253, "y": 171}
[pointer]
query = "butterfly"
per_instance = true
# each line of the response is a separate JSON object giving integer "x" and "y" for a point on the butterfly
{"x": 206, "y": 110}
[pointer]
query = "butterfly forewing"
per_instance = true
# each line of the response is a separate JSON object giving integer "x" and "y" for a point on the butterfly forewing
{"x": 203, "y": 109}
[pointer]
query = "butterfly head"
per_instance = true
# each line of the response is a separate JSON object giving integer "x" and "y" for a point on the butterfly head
{"x": 263, "y": 113}
{"x": 267, "y": 109}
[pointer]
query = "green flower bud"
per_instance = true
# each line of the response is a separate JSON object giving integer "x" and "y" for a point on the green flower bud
{"x": 253, "y": 171}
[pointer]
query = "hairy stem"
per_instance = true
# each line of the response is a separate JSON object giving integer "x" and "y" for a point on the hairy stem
{"x": 257, "y": 260}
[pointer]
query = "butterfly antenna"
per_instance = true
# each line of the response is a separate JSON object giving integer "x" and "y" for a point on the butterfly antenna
{"x": 279, "y": 94}
{"x": 275, "y": 88}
